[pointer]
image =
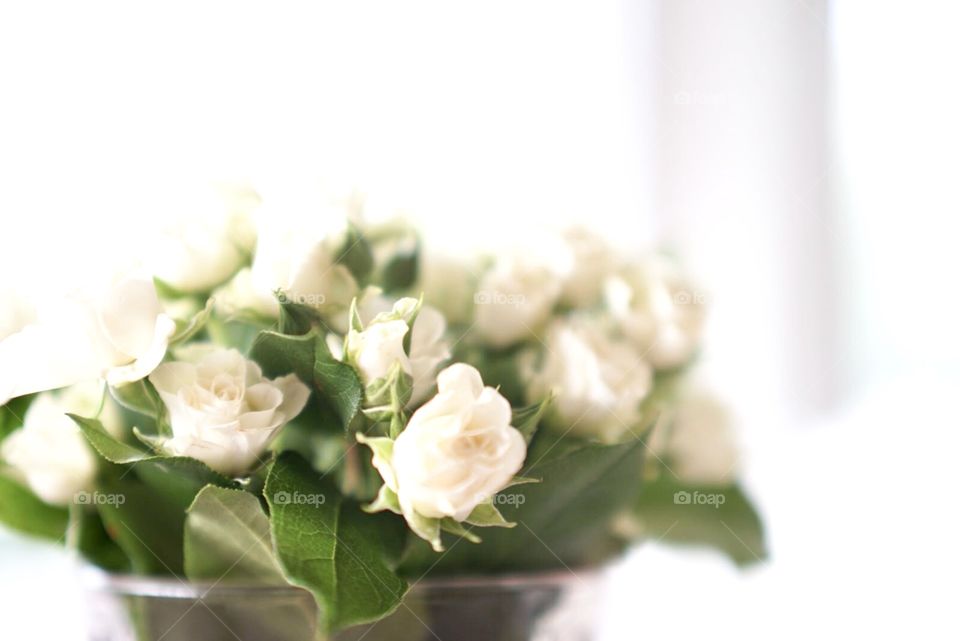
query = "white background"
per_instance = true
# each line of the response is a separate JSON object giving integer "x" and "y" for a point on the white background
{"x": 801, "y": 157}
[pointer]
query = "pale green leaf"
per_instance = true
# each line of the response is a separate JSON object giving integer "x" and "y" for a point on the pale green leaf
{"x": 227, "y": 538}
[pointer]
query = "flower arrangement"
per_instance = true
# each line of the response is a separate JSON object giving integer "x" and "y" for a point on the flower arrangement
{"x": 315, "y": 400}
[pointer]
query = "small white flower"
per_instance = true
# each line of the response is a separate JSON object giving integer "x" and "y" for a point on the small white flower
{"x": 513, "y": 301}
{"x": 206, "y": 234}
{"x": 457, "y": 451}
{"x": 590, "y": 260}
{"x": 119, "y": 333}
{"x": 659, "y": 311}
{"x": 599, "y": 382}
{"x": 50, "y": 452}
{"x": 222, "y": 410}
{"x": 379, "y": 347}
{"x": 699, "y": 442}
{"x": 297, "y": 245}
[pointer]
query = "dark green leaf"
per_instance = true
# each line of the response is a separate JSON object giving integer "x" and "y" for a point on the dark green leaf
{"x": 21, "y": 510}
{"x": 144, "y": 504}
{"x": 179, "y": 477}
{"x": 280, "y": 354}
{"x": 11, "y": 414}
{"x": 527, "y": 419}
{"x": 227, "y": 538}
{"x": 89, "y": 537}
{"x": 338, "y": 383}
{"x": 143, "y": 499}
{"x": 400, "y": 272}
{"x": 356, "y": 254}
{"x": 562, "y": 521}
{"x": 105, "y": 444}
{"x": 297, "y": 319}
{"x": 718, "y": 517}
{"x": 145, "y": 523}
{"x": 330, "y": 547}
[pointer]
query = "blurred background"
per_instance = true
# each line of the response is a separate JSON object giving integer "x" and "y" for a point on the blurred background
{"x": 800, "y": 155}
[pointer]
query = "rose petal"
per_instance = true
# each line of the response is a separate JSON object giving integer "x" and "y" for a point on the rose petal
{"x": 149, "y": 359}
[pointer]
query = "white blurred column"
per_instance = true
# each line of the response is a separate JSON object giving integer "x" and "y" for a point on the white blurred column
{"x": 744, "y": 191}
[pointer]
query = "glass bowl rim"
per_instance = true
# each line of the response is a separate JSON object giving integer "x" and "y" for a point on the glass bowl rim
{"x": 96, "y": 579}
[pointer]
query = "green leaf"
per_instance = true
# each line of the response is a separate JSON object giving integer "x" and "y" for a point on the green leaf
{"x": 356, "y": 254}
{"x": 147, "y": 524}
{"x": 527, "y": 419}
{"x": 338, "y": 382}
{"x": 400, "y": 272}
{"x": 280, "y": 354}
{"x": 155, "y": 443}
{"x": 143, "y": 498}
{"x": 718, "y": 517}
{"x": 144, "y": 504}
{"x": 330, "y": 547}
{"x": 308, "y": 356}
{"x": 562, "y": 521}
{"x": 487, "y": 515}
{"x": 387, "y": 500}
{"x": 88, "y": 536}
{"x": 21, "y": 510}
{"x": 11, "y": 414}
{"x": 187, "y": 329}
{"x": 105, "y": 444}
{"x": 166, "y": 290}
{"x": 296, "y": 318}
{"x": 179, "y": 477}
{"x": 457, "y": 529}
{"x": 227, "y": 538}
{"x": 140, "y": 397}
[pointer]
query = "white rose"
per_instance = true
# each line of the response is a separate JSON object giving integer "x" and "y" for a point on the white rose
{"x": 297, "y": 245}
{"x": 659, "y": 311}
{"x": 119, "y": 333}
{"x": 205, "y": 235}
{"x": 50, "y": 452}
{"x": 599, "y": 382}
{"x": 15, "y": 313}
{"x": 457, "y": 450}
{"x": 377, "y": 348}
{"x": 222, "y": 410}
{"x": 513, "y": 300}
{"x": 428, "y": 349}
{"x": 699, "y": 442}
{"x": 590, "y": 260}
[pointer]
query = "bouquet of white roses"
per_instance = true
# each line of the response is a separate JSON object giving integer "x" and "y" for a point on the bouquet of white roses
{"x": 312, "y": 399}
